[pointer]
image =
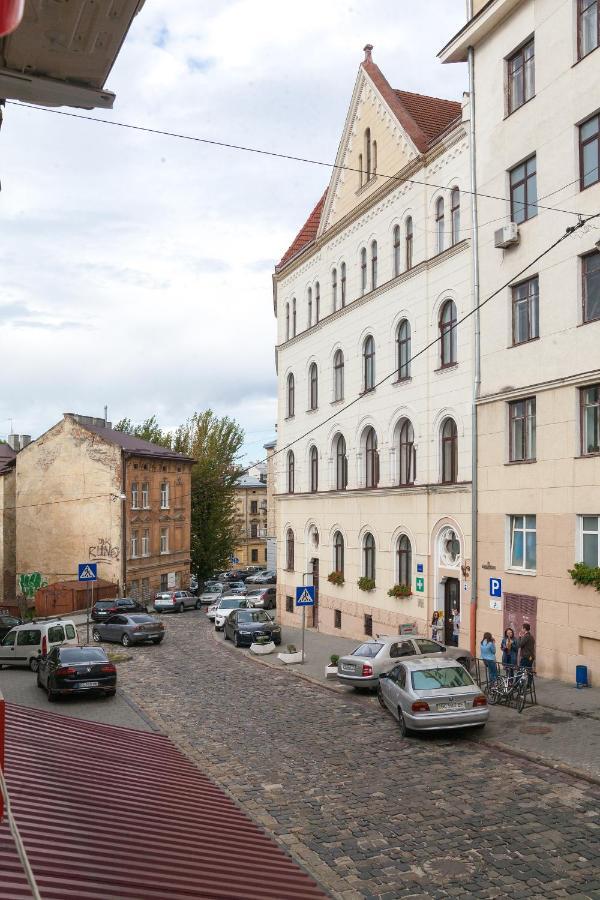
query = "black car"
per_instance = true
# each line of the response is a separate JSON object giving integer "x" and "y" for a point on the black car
{"x": 102, "y": 609}
{"x": 7, "y": 623}
{"x": 244, "y": 626}
{"x": 76, "y": 670}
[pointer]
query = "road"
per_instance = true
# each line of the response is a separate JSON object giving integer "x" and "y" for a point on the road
{"x": 370, "y": 814}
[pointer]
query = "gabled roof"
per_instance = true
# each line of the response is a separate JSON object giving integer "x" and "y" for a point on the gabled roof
{"x": 132, "y": 444}
{"x": 249, "y": 481}
{"x": 305, "y": 236}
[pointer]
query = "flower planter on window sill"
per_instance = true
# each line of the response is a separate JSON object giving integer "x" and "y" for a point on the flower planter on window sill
{"x": 366, "y": 584}
{"x": 336, "y": 578}
{"x": 400, "y": 591}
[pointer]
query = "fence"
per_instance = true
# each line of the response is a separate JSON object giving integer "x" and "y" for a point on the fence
{"x": 512, "y": 686}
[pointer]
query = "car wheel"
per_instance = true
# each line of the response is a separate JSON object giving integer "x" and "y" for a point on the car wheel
{"x": 34, "y": 663}
{"x": 51, "y": 695}
{"x": 404, "y": 731}
{"x": 96, "y": 635}
{"x": 225, "y": 638}
{"x": 380, "y": 698}
{"x": 236, "y": 639}
{"x": 198, "y": 604}
{"x": 157, "y": 640}
{"x": 126, "y": 640}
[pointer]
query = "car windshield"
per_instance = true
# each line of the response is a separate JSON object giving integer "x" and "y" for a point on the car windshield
{"x": 83, "y": 654}
{"x": 213, "y": 589}
{"x": 441, "y": 679}
{"x": 251, "y": 615}
{"x": 229, "y": 604}
{"x": 104, "y": 604}
{"x": 369, "y": 650}
{"x": 141, "y": 618}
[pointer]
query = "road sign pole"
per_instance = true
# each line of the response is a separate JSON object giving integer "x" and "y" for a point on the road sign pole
{"x": 303, "y": 627}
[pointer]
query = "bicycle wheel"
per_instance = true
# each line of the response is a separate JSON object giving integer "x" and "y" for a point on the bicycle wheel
{"x": 522, "y": 696}
{"x": 494, "y": 696}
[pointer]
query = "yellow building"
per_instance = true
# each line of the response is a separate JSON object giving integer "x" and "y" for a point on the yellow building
{"x": 251, "y": 515}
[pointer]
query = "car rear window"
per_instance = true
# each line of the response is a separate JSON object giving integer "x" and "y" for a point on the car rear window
{"x": 441, "y": 679}
{"x": 29, "y": 637}
{"x": 82, "y": 654}
{"x": 104, "y": 604}
{"x": 141, "y": 618}
{"x": 229, "y": 604}
{"x": 369, "y": 650}
{"x": 70, "y": 632}
{"x": 56, "y": 634}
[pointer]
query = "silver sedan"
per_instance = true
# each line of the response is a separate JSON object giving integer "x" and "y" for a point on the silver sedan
{"x": 136, "y": 628}
{"x": 364, "y": 665}
{"x": 432, "y": 695}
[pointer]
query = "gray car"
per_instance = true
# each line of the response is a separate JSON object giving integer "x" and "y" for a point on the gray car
{"x": 175, "y": 601}
{"x": 364, "y": 665}
{"x": 136, "y": 628}
{"x": 432, "y": 695}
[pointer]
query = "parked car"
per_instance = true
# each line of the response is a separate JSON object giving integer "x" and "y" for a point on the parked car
{"x": 262, "y": 598}
{"x": 253, "y": 579}
{"x": 77, "y": 670}
{"x": 135, "y": 628}
{"x": 236, "y": 586}
{"x": 26, "y": 643}
{"x": 432, "y": 694}
{"x": 7, "y": 623}
{"x": 224, "y": 607}
{"x": 267, "y": 577}
{"x": 243, "y": 626}
{"x": 102, "y": 609}
{"x": 211, "y": 594}
{"x": 364, "y": 665}
{"x": 175, "y": 601}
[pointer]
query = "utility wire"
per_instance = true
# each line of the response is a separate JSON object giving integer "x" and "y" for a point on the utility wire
{"x": 261, "y": 152}
{"x": 18, "y": 840}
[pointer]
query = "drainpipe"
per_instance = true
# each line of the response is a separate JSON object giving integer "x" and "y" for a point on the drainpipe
{"x": 476, "y": 343}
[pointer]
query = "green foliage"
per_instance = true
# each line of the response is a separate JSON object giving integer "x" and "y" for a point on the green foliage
{"x": 400, "y": 590}
{"x": 291, "y": 648}
{"x": 263, "y": 639}
{"x": 333, "y": 659}
{"x": 366, "y": 584}
{"x": 581, "y": 573}
{"x": 149, "y": 430}
{"x": 336, "y": 578}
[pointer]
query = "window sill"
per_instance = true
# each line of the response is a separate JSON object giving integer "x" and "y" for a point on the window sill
{"x": 523, "y": 343}
{"x": 529, "y": 572}
{"x": 337, "y": 402}
{"x": 367, "y": 391}
{"x": 447, "y": 368}
{"x": 517, "y": 108}
{"x": 311, "y": 411}
{"x": 594, "y": 455}
{"x": 405, "y": 380}
{"x": 588, "y": 322}
{"x": 520, "y": 462}
{"x": 581, "y": 58}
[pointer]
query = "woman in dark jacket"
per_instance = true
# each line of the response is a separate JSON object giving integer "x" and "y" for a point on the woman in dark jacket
{"x": 510, "y": 649}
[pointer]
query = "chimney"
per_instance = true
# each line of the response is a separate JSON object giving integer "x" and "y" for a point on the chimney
{"x": 13, "y": 442}
{"x": 25, "y": 439}
{"x": 368, "y": 48}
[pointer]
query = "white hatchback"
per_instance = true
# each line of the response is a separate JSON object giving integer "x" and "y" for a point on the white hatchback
{"x": 24, "y": 644}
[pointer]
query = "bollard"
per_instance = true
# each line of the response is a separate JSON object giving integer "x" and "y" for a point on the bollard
{"x": 581, "y": 676}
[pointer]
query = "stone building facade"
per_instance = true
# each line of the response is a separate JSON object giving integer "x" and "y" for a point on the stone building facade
{"x": 251, "y": 517}
{"x": 7, "y": 525}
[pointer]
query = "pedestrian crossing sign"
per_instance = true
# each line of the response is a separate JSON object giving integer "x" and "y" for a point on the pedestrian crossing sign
{"x": 88, "y": 571}
{"x": 305, "y": 595}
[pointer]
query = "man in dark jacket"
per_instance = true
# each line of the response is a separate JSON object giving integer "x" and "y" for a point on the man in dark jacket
{"x": 526, "y": 646}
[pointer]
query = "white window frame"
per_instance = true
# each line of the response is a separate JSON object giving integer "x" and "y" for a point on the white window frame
{"x": 134, "y": 544}
{"x": 146, "y": 542}
{"x": 581, "y": 532}
{"x": 145, "y": 495}
{"x": 520, "y": 570}
{"x": 164, "y": 540}
{"x": 164, "y": 495}
{"x": 134, "y": 495}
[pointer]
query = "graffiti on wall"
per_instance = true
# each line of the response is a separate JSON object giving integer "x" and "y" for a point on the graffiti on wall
{"x": 104, "y": 550}
{"x": 30, "y": 583}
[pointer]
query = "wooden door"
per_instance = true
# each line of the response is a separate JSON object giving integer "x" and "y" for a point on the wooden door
{"x": 451, "y": 601}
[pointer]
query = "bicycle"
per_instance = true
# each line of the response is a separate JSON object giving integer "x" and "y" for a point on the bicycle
{"x": 511, "y": 686}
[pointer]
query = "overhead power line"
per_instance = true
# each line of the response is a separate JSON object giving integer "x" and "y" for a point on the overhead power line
{"x": 272, "y": 153}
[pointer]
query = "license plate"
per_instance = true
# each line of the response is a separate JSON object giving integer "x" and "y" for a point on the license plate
{"x": 448, "y": 707}
{"x": 88, "y": 684}
{"x": 347, "y": 668}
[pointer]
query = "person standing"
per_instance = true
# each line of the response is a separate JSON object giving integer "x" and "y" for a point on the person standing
{"x": 435, "y": 624}
{"x": 455, "y": 626}
{"x": 510, "y": 650}
{"x": 526, "y": 646}
{"x": 488, "y": 655}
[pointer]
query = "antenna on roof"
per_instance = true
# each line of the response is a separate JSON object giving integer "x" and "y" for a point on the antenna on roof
{"x": 105, "y": 416}
{"x": 368, "y": 48}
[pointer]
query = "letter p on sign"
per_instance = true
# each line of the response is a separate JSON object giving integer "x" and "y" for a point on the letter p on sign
{"x": 495, "y": 587}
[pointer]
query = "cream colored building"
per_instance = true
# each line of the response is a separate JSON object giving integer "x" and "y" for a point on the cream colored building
{"x": 270, "y": 447}
{"x": 381, "y": 269}
{"x": 537, "y": 77}
{"x": 251, "y": 518}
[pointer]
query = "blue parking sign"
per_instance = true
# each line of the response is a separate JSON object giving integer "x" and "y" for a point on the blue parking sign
{"x": 495, "y": 587}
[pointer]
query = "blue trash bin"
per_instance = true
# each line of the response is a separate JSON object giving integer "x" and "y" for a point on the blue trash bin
{"x": 581, "y": 676}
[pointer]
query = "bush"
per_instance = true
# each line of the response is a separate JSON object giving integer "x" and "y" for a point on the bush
{"x": 400, "y": 590}
{"x": 336, "y": 578}
{"x": 263, "y": 639}
{"x": 333, "y": 659}
{"x": 581, "y": 573}
{"x": 291, "y": 648}
{"x": 366, "y": 584}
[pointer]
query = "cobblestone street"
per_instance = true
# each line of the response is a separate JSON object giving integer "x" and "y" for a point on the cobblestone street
{"x": 368, "y": 813}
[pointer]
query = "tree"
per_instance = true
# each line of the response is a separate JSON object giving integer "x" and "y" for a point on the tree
{"x": 149, "y": 430}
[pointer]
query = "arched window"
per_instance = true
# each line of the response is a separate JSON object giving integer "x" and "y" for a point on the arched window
{"x": 314, "y": 469}
{"x": 369, "y": 556}
{"x": 287, "y": 321}
{"x": 449, "y": 452}
{"x": 448, "y": 334}
{"x": 338, "y": 375}
{"x": 338, "y": 552}
{"x": 317, "y": 302}
{"x": 371, "y": 459}
{"x": 341, "y": 464}
{"x": 439, "y": 223}
{"x": 309, "y": 307}
{"x": 408, "y": 242}
{"x": 404, "y": 559}
{"x": 294, "y": 317}
{"x": 396, "y": 246}
{"x": 289, "y": 550}
{"x": 291, "y": 396}
{"x": 368, "y": 152}
{"x": 313, "y": 378}
{"x": 363, "y": 270}
{"x": 360, "y": 170}
{"x": 373, "y": 265}
{"x": 403, "y": 349}
{"x": 455, "y": 214}
{"x": 334, "y": 289}
{"x": 291, "y": 471}
{"x": 369, "y": 364}
{"x": 343, "y": 284}
{"x": 406, "y": 453}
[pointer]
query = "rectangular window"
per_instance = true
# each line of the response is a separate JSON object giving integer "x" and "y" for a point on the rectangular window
{"x": 289, "y": 604}
{"x": 255, "y": 556}
{"x": 590, "y": 419}
{"x": 254, "y": 507}
{"x": 134, "y": 495}
{"x": 164, "y": 495}
{"x": 145, "y": 495}
{"x": 589, "y": 152}
{"x": 589, "y": 530}
{"x": 521, "y": 76}
{"x": 369, "y": 625}
{"x": 588, "y": 27}
{"x": 253, "y": 529}
{"x": 590, "y": 271}
{"x": 164, "y": 540}
{"x": 146, "y": 542}
{"x": 525, "y": 311}
{"x": 134, "y": 544}
{"x": 164, "y": 581}
{"x": 337, "y": 618}
{"x": 522, "y": 543}
{"x": 523, "y": 191}
{"x": 522, "y": 429}
{"x": 145, "y": 588}
{"x": 134, "y": 589}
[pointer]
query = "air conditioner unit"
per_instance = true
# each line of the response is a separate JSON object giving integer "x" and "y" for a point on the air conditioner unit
{"x": 506, "y": 236}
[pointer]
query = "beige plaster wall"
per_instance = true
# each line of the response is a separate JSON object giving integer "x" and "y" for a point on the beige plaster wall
{"x": 7, "y": 536}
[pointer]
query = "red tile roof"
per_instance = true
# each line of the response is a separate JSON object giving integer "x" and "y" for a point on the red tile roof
{"x": 432, "y": 114}
{"x": 306, "y": 235}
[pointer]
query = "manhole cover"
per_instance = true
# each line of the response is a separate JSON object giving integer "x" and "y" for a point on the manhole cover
{"x": 536, "y": 729}
{"x": 549, "y": 718}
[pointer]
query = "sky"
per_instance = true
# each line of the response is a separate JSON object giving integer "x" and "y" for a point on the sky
{"x": 136, "y": 268}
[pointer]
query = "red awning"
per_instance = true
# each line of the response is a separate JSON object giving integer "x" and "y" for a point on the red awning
{"x": 116, "y": 814}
